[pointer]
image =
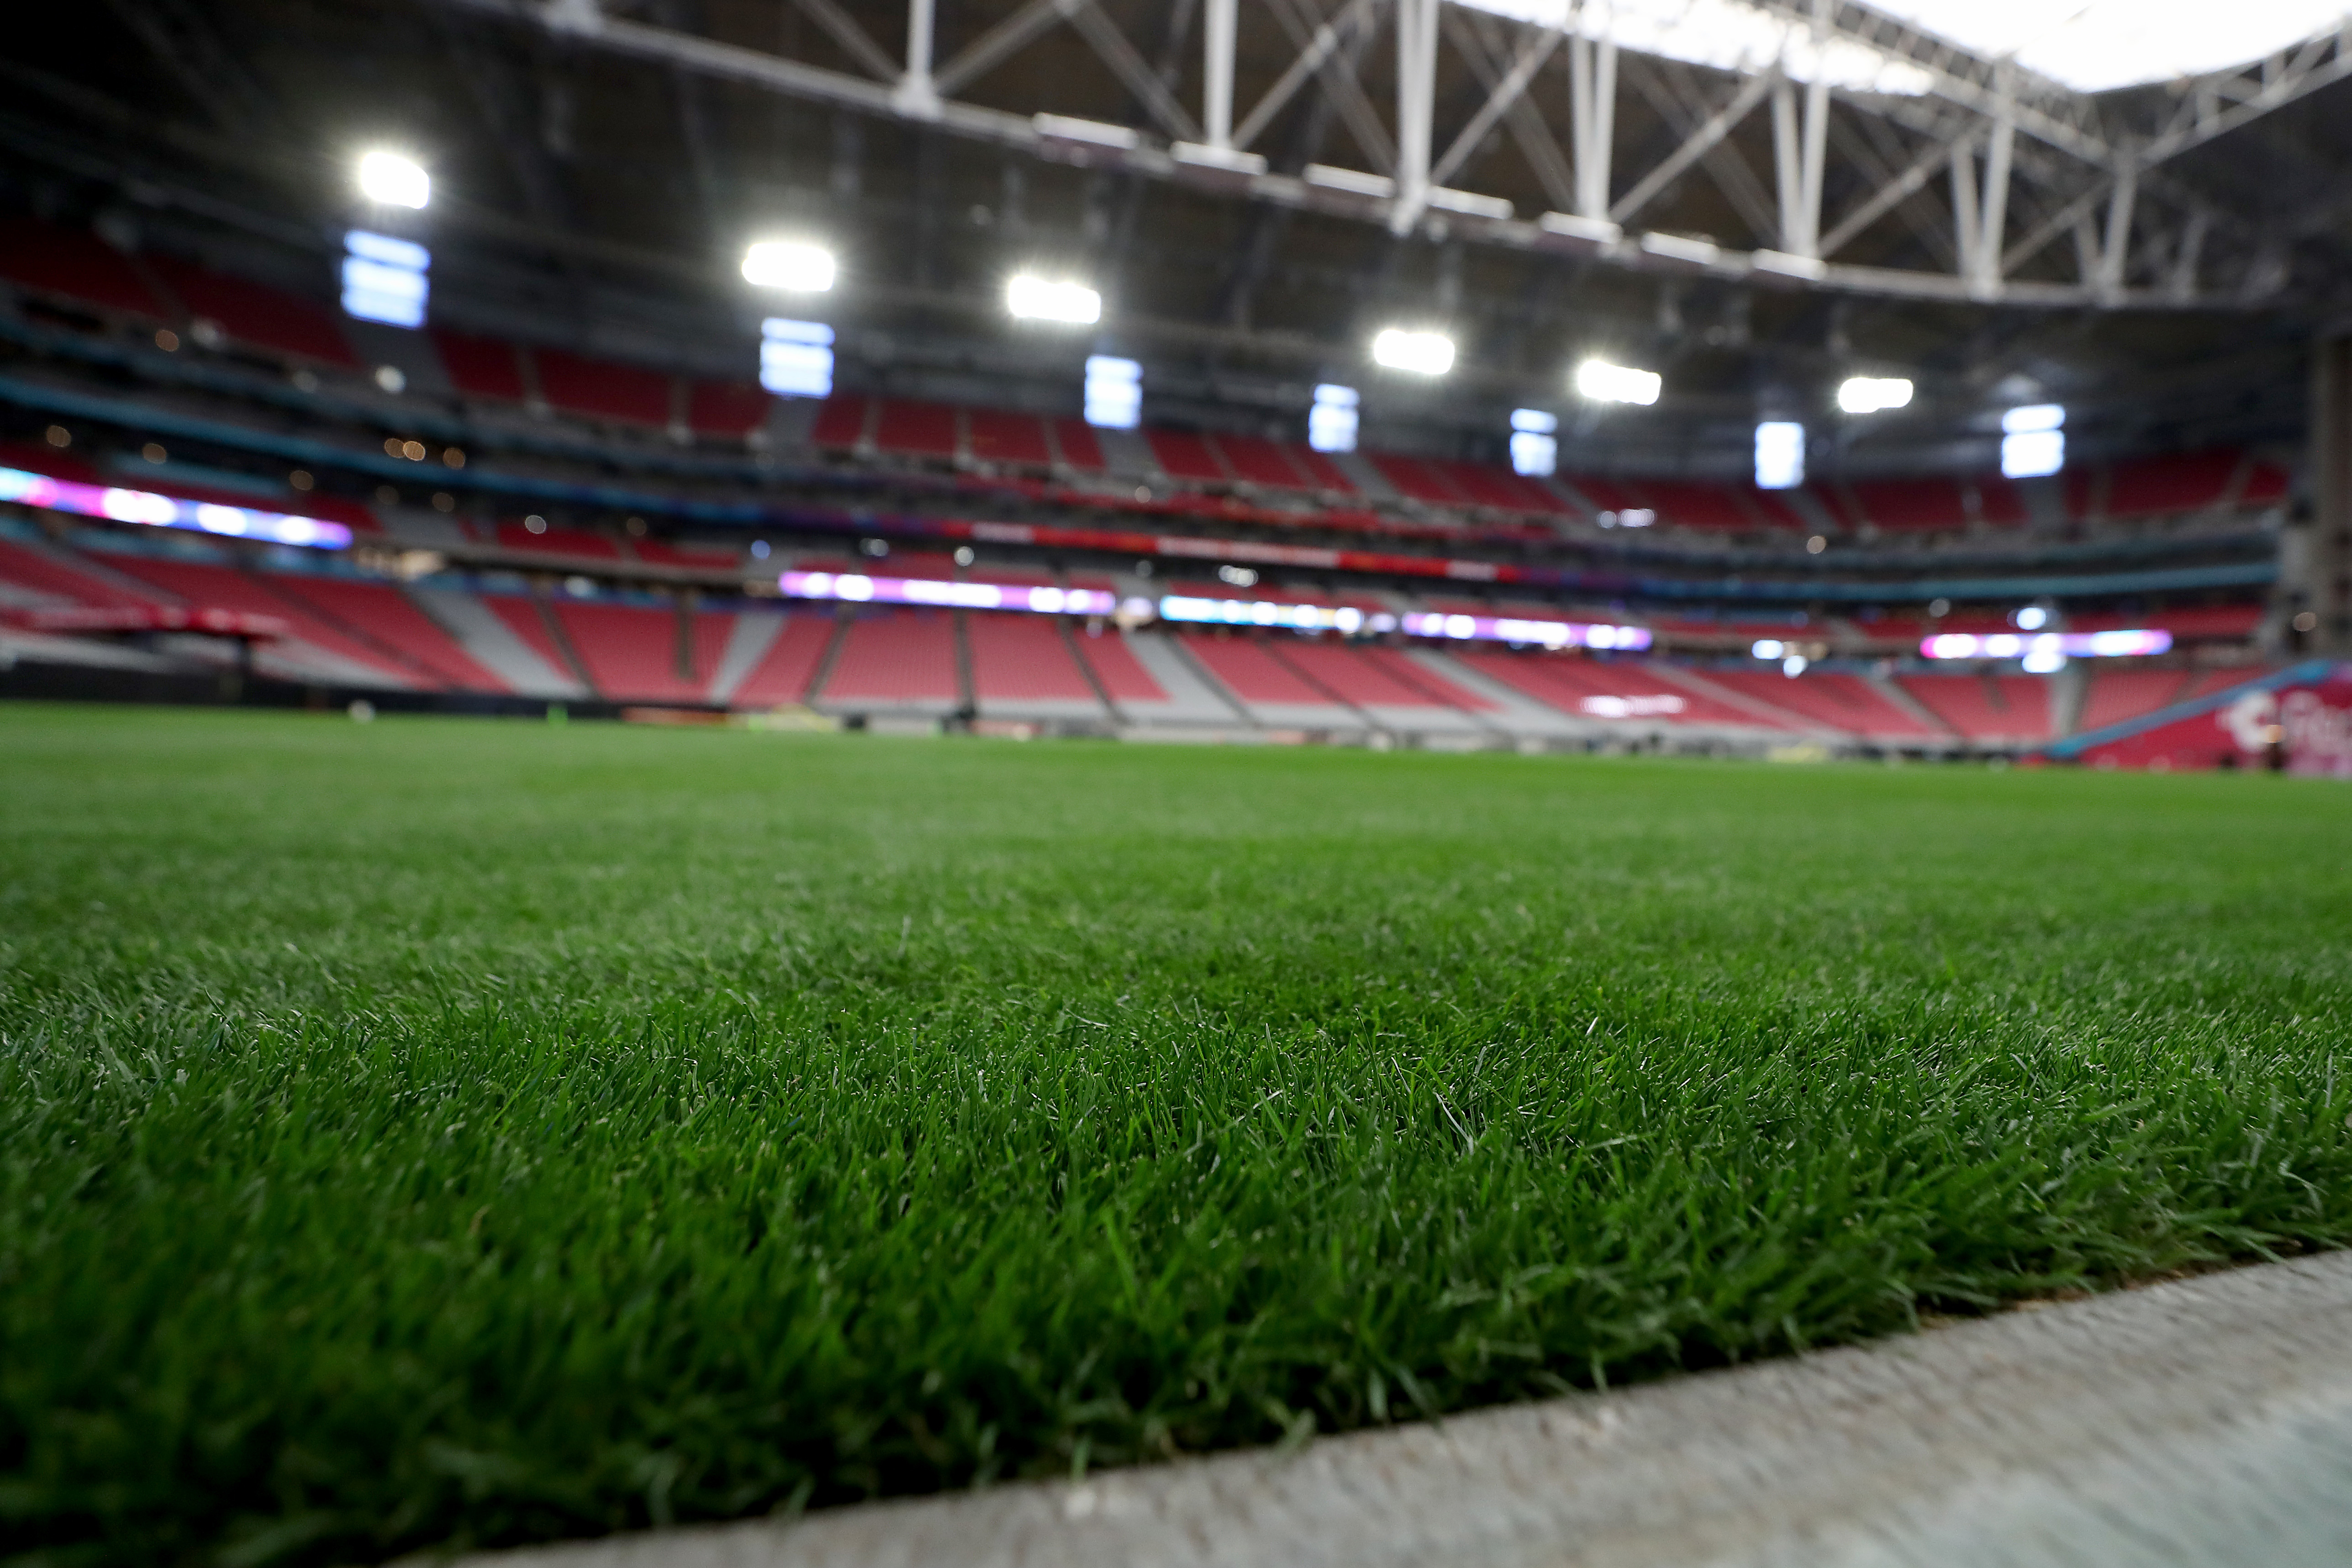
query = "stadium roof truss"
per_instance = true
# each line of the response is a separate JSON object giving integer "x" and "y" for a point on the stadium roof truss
{"x": 1994, "y": 172}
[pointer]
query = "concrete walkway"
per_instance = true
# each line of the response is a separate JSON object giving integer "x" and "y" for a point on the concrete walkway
{"x": 2206, "y": 1422}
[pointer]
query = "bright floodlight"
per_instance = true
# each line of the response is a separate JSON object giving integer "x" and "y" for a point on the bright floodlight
{"x": 384, "y": 279}
{"x": 1869, "y": 394}
{"x": 394, "y": 181}
{"x": 1604, "y": 382}
{"x": 1423, "y": 353}
{"x": 803, "y": 269}
{"x": 1040, "y": 299}
{"x": 1779, "y": 454}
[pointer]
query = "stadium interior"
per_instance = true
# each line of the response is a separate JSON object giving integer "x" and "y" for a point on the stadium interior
{"x": 562, "y": 479}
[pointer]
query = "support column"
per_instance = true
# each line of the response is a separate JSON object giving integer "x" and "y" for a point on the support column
{"x": 2320, "y": 581}
{"x": 1416, "y": 95}
{"x": 916, "y": 93}
{"x": 1217, "y": 74}
{"x": 1592, "y": 120}
{"x": 1992, "y": 228}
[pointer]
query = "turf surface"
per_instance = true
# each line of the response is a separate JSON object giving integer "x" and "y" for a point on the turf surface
{"x": 467, "y": 1133}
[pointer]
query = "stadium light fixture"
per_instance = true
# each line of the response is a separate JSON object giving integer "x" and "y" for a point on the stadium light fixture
{"x": 796, "y": 358}
{"x": 394, "y": 181}
{"x": 1604, "y": 382}
{"x": 1114, "y": 392}
{"x": 1768, "y": 648}
{"x": 1033, "y": 298}
{"x": 790, "y": 265}
{"x": 1779, "y": 454}
{"x": 1872, "y": 394}
{"x": 1331, "y": 422}
{"x": 383, "y": 280}
{"x": 2032, "y": 618}
{"x": 1535, "y": 445}
{"x": 1423, "y": 353}
{"x": 2032, "y": 441}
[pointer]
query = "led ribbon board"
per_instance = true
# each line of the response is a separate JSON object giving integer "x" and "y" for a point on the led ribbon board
{"x": 164, "y": 512}
{"x": 855, "y": 588}
{"x": 2072, "y": 644}
{"x": 1546, "y": 634}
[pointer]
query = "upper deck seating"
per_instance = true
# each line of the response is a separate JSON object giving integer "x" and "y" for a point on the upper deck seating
{"x": 999, "y": 436}
{"x": 727, "y": 408}
{"x": 1413, "y": 477}
{"x": 256, "y": 315}
{"x": 2182, "y": 482}
{"x": 1918, "y": 505}
{"x": 1182, "y": 455}
{"x": 577, "y": 543}
{"x": 75, "y": 264}
{"x": 915, "y": 429}
{"x": 598, "y": 389}
{"x": 1079, "y": 449}
{"x": 1255, "y": 460}
{"x": 840, "y": 421}
{"x": 480, "y": 367}
{"x": 1691, "y": 504}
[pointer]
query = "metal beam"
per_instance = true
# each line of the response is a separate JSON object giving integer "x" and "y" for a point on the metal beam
{"x": 1695, "y": 146}
{"x": 1499, "y": 99}
{"x": 582, "y": 23}
{"x": 854, "y": 40}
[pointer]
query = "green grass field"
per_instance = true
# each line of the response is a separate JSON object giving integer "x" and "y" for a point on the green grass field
{"x": 467, "y": 1133}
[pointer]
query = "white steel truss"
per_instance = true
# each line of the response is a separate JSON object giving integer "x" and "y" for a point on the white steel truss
{"x": 2016, "y": 152}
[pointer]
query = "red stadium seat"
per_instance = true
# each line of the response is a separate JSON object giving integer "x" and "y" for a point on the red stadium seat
{"x": 1080, "y": 448}
{"x": 1911, "y": 503}
{"x": 1986, "y": 708}
{"x": 382, "y": 615}
{"x": 1691, "y": 504}
{"x": 577, "y": 543}
{"x": 256, "y": 315}
{"x": 727, "y": 408}
{"x": 630, "y": 650}
{"x": 783, "y": 675}
{"x": 998, "y": 436}
{"x": 841, "y": 422}
{"x": 2188, "y": 482}
{"x": 915, "y": 429}
{"x": 1413, "y": 477}
{"x": 896, "y": 658}
{"x": 600, "y": 390}
{"x": 1182, "y": 455}
{"x": 1327, "y": 474}
{"x": 1258, "y": 461}
{"x": 1022, "y": 659}
{"x": 77, "y": 266}
{"x": 480, "y": 367}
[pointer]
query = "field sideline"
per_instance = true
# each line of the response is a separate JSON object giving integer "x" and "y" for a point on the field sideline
{"x": 468, "y": 1132}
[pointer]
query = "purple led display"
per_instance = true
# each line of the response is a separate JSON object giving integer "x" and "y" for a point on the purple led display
{"x": 855, "y": 588}
{"x": 157, "y": 511}
{"x": 2070, "y": 645}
